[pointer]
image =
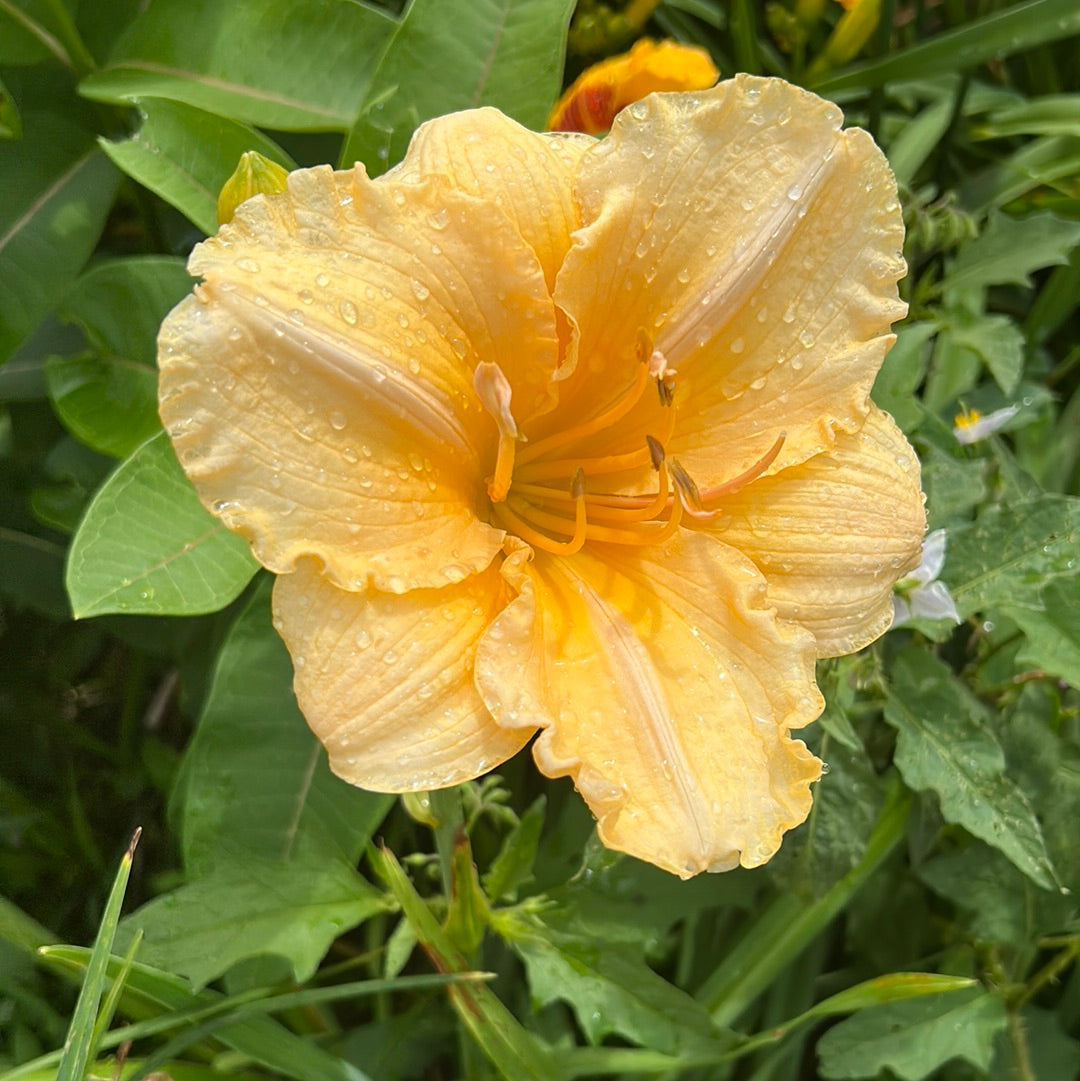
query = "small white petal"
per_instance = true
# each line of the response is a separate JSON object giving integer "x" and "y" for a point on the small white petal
{"x": 985, "y": 426}
{"x": 933, "y": 602}
{"x": 933, "y": 556}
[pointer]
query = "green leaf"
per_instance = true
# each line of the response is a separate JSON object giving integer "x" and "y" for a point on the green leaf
{"x": 1009, "y": 249}
{"x": 609, "y": 986}
{"x": 108, "y": 398}
{"x": 57, "y": 192}
{"x": 146, "y": 545}
{"x": 902, "y": 372}
{"x": 10, "y": 121}
{"x": 999, "y": 343}
{"x": 946, "y": 744}
{"x": 292, "y": 65}
{"x": 257, "y": 779}
{"x": 916, "y": 140}
{"x": 1052, "y": 630}
{"x": 1036, "y": 1046}
{"x": 1055, "y": 114}
{"x": 914, "y": 1038}
{"x": 459, "y": 54}
{"x": 251, "y": 907}
{"x": 512, "y": 867}
{"x": 107, "y": 403}
{"x": 831, "y": 842}
{"x": 1012, "y": 551}
{"x": 32, "y": 571}
{"x": 34, "y": 30}
{"x": 997, "y": 35}
{"x": 151, "y": 991}
{"x": 515, "y": 1052}
{"x": 185, "y": 155}
{"x": 120, "y": 303}
{"x": 1047, "y": 160}
{"x": 80, "y": 1046}
{"x": 953, "y": 485}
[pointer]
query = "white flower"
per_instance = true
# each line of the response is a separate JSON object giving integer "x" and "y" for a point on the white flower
{"x": 971, "y": 426}
{"x": 921, "y": 595}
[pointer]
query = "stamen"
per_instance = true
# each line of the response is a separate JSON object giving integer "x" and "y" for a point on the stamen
{"x": 525, "y": 531}
{"x": 664, "y": 376}
{"x": 729, "y": 487}
{"x": 494, "y": 391}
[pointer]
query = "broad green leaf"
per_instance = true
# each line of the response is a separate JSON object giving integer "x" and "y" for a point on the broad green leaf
{"x": 999, "y": 343}
{"x": 1055, "y": 114}
{"x": 252, "y": 907}
{"x": 257, "y": 779}
{"x": 185, "y": 155}
{"x": 107, "y": 403}
{"x": 108, "y": 397}
{"x": 146, "y": 545}
{"x": 946, "y": 744}
{"x": 10, "y": 121}
{"x": 292, "y": 65}
{"x": 151, "y": 992}
{"x": 1052, "y": 630}
{"x": 994, "y": 36}
{"x": 459, "y": 54}
{"x": 914, "y": 1038}
{"x": 515, "y": 1052}
{"x": 902, "y": 372}
{"x": 1002, "y": 904}
{"x": 953, "y": 485}
{"x": 1012, "y": 551}
{"x": 1009, "y": 249}
{"x": 609, "y": 986}
{"x": 120, "y": 303}
{"x": 57, "y": 192}
{"x": 80, "y": 1046}
{"x": 1036, "y": 1045}
{"x": 32, "y": 571}
{"x": 832, "y": 840}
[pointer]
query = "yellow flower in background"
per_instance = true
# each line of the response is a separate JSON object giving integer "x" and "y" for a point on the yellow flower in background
{"x": 601, "y": 91}
{"x": 553, "y": 437}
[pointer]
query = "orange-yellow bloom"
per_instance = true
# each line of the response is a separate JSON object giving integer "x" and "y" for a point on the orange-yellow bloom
{"x": 570, "y": 439}
{"x": 601, "y": 91}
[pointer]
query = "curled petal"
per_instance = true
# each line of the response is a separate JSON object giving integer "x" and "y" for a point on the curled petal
{"x": 529, "y": 177}
{"x": 318, "y": 386}
{"x": 386, "y": 682}
{"x": 666, "y": 687}
{"x": 762, "y": 258}
{"x": 833, "y": 534}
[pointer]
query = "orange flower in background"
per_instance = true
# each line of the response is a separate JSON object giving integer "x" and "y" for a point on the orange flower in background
{"x": 602, "y": 90}
{"x": 556, "y": 437}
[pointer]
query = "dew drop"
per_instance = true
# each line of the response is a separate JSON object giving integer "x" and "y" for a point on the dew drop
{"x": 420, "y": 290}
{"x": 337, "y": 420}
{"x": 322, "y": 279}
{"x": 794, "y": 193}
{"x": 348, "y": 312}
{"x": 737, "y": 345}
{"x": 806, "y": 338}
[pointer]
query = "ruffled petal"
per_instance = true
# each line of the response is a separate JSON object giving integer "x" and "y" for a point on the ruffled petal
{"x": 318, "y": 386}
{"x": 386, "y": 682}
{"x": 529, "y": 177}
{"x": 758, "y": 245}
{"x": 666, "y": 688}
{"x": 833, "y": 534}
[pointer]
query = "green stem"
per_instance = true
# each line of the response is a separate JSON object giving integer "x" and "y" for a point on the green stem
{"x": 789, "y": 925}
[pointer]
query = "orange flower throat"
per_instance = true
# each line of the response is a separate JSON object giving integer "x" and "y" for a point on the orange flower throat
{"x": 556, "y": 501}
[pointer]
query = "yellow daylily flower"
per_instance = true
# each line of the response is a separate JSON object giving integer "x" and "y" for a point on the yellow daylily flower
{"x": 553, "y": 437}
{"x": 602, "y": 90}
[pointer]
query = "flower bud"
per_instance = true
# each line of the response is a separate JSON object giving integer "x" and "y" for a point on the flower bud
{"x": 254, "y": 174}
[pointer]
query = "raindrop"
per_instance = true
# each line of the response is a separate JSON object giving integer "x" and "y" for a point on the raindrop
{"x": 420, "y": 290}
{"x": 322, "y": 280}
{"x": 348, "y": 312}
{"x": 794, "y": 193}
{"x": 337, "y": 420}
{"x": 737, "y": 345}
{"x": 806, "y": 338}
